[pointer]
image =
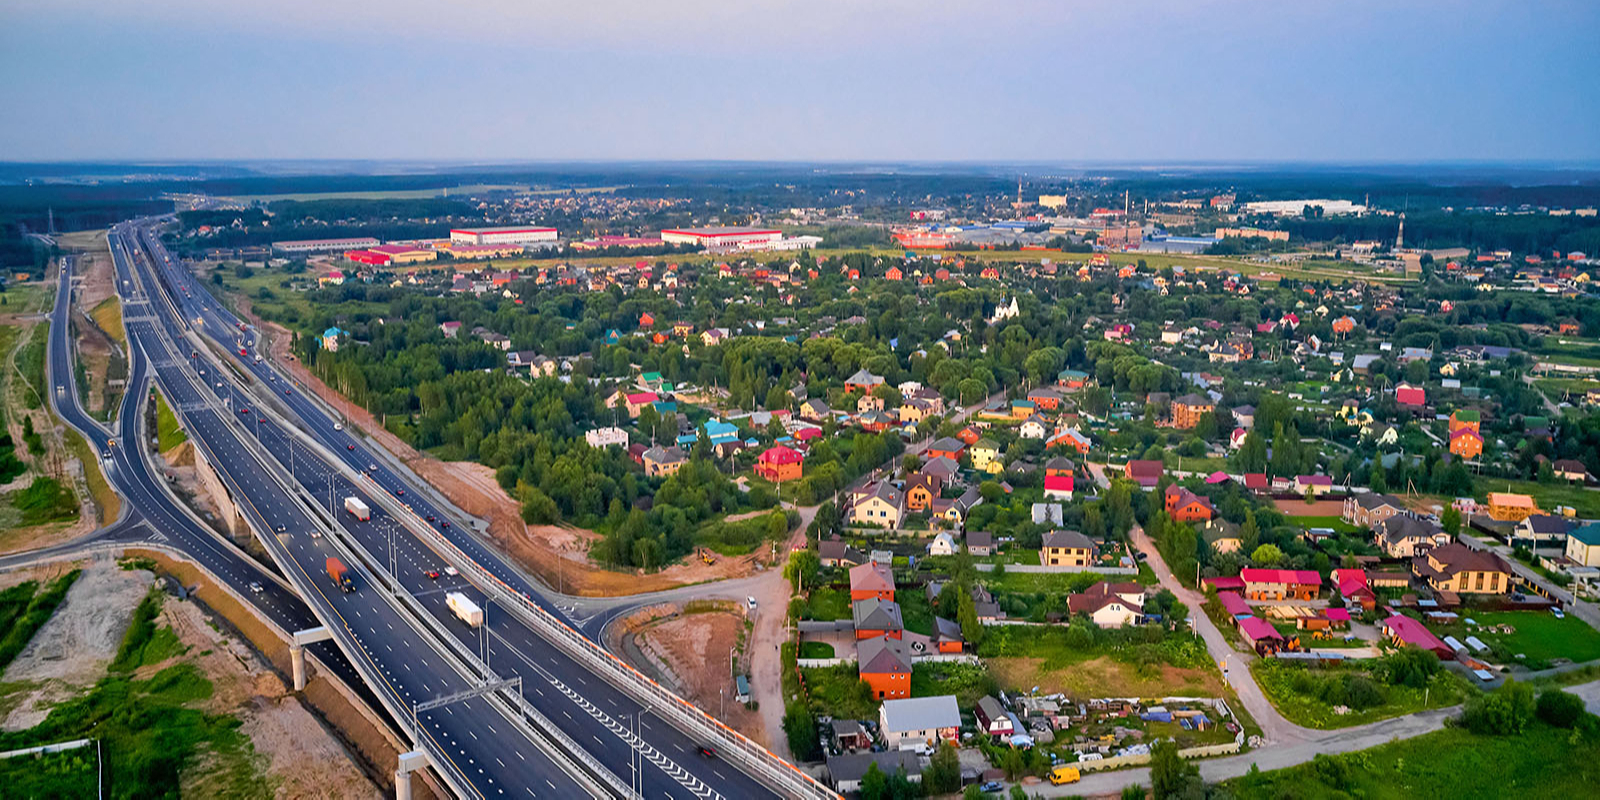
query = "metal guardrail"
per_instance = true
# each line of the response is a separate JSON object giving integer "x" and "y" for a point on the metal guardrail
{"x": 662, "y": 701}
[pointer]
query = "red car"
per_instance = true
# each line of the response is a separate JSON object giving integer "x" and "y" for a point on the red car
{"x": 432, "y": 574}
{"x": 349, "y": 447}
{"x": 244, "y": 411}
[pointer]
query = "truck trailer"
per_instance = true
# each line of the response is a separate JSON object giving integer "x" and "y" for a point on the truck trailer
{"x": 340, "y": 575}
{"x": 357, "y": 508}
{"x": 464, "y": 608}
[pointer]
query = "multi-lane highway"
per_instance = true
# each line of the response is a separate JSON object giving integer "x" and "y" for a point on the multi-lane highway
{"x": 475, "y": 742}
{"x": 614, "y": 728}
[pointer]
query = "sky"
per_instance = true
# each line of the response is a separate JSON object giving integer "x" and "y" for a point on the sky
{"x": 1061, "y": 81}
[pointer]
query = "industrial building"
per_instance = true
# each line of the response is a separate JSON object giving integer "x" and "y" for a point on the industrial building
{"x": 476, "y": 251}
{"x": 502, "y": 235}
{"x": 387, "y": 254}
{"x": 720, "y": 238}
{"x": 1330, "y": 208}
{"x": 618, "y": 241}
{"x": 324, "y": 245}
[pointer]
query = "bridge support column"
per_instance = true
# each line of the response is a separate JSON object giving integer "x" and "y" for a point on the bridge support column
{"x": 297, "y": 658}
{"x": 297, "y": 651}
{"x": 409, "y": 763}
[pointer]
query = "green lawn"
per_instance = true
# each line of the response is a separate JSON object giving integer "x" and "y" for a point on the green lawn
{"x": 1338, "y": 525}
{"x": 816, "y": 650}
{"x": 1451, "y": 764}
{"x": 827, "y": 602}
{"x": 1047, "y": 582}
{"x": 1291, "y": 688}
{"x": 1537, "y": 635}
{"x": 915, "y": 611}
{"x": 168, "y": 434}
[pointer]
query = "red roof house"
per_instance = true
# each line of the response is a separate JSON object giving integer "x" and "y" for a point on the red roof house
{"x": 779, "y": 464}
{"x": 1281, "y": 584}
{"x": 1403, "y": 630}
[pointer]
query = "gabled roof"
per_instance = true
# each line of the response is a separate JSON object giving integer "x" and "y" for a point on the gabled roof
{"x": 873, "y": 614}
{"x": 871, "y": 577}
{"x": 882, "y": 655}
{"x": 1374, "y": 500}
{"x": 1308, "y": 577}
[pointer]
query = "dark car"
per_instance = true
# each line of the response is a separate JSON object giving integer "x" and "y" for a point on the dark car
{"x": 990, "y": 787}
{"x": 444, "y": 524}
{"x": 708, "y": 751}
{"x": 430, "y": 518}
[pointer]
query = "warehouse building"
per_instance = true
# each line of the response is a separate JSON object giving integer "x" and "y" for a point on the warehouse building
{"x": 477, "y": 251}
{"x": 387, "y": 254}
{"x": 323, "y": 245}
{"x": 504, "y": 235}
{"x": 721, "y": 238}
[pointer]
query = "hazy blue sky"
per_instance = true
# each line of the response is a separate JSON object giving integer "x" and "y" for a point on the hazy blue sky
{"x": 1067, "y": 80}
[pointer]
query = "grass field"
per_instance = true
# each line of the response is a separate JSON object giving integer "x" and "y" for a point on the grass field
{"x": 108, "y": 315}
{"x": 1547, "y": 495}
{"x": 1338, "y": 525}
{"x": 839, "y": 692}
{"x": 168, "y": 433}
{"x": 1537, "y": 635}
{"x": 827, "y": 602}
{"x": 1543, "y": 762}
{"x": 1282, "y": 684}
{"x": 968, "y": 682}
{"x": 816, "y": 650}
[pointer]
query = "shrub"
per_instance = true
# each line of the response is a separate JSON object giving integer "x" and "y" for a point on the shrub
{"x": 1560, "y": 709}
{"x": 1504, "y": 712}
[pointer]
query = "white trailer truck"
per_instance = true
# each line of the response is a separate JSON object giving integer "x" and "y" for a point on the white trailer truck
{"x": 468, "y": 611}
{"x": 357, "y": 508}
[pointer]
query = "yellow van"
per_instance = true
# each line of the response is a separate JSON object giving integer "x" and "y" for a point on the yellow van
{"x": 1064, "y": 774}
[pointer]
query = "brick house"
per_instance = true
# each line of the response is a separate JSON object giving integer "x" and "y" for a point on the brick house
{"x": 1186, "y": 410}
{"x": 1066, "y": 549}
{"x": 1461, "y": 569}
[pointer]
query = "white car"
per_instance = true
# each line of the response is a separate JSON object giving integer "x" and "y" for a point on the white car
{"x": 751, "y": 601}
{"x": 451, "y": 571}
{"x": 338, "y": 426}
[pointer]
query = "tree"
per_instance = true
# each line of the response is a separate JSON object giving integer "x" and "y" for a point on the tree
{"x": 1285, "y": 459}
{"x": 1267, "y": 555}
{"x": 801, "y": 730}
{"x": 1249, "y": 532}
{"x": 1252, "y": 456}
{"x": 943, "y": 774}
{"x": 803, "y": 569}
{"x": 874, "y": 784}
{"x": 1450, "y": 520}
{"x": 1170, "y": 775}
{"x": 1504, "y": 712}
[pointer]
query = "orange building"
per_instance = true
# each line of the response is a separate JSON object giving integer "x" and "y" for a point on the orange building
{"x": 1466, "y": 442}
{"x": 1187, "y": 409}
{"x": 1466, "y": 418}
{"x": 885, "y": 665}
{"x": 779, "y": 464}
{"x": 1185, "y": 506}
{"x": 871, "y": 580}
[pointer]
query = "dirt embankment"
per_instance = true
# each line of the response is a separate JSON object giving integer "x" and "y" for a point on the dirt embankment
{"x": 557, "y": 554}
{"x": 701, "y": 644}
{"x": 334, "y": 729}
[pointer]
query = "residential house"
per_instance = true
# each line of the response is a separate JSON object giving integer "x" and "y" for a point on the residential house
{"x": 834, "y": 553}
{"x": 1280, "y": 584}
{"x": 883, "y": 505}
{"x": 1066, "y": 549}
{"x": 980, "y": 543}
{"x": 1183, "y": 505}
{"x": 942, "y": 545}
{"x": 1033, "y": 427}
{"x": 1406, "y": 536}
{"x": 450, "y": 329}
{"x": 1408, "y": 394}
{"x": 1537, "y": 529}
{"x": 942, "y": 469}
{"x": 1570, "y": 469}
{"x": 815, "y": 410}
{"x": 946, "y": 447}
{"x": 1314, "y": 485}
{"x": 957, "y": 510}
{"x": 1245, "y": 417}
{"x": 779, "y": 464}
{"x": 846, "y": 771}
{"x": 850, "y": 734}
{"x": 1463, "y": 570}
{"x": 863, "y": 381}
{"x": 1402, "y": 630}
{"x": 920, "y": 491}
{"x": 1466, "y": 443}
{"x": 947, "y": 636}
{"x": 663, "y": 461}
{"x": 885, "y": 664}
{"x": 984, "y": 454}
{"x": 1071, "y": 437}
{"x": 868, "y": 403}
{"x": 870, "y": 580}
{"x": 1583, "y": 545}
{"x": 1109, "y": 605}
{"x": 1509, "y": 507}
{"x": 875, "y": 617}
{"x": 1146, "y": 473}
{"x": 920, "y": 722}
{"x": 605, "y": 437}
{"x": 1368, "y": 509}
{"x": 1466, "y": 418}
{"x": 993, "y": 719}
{"x": 1045, "y": 398}
{"x": 1058, "y": 482}
{"x": 1221, "y": 535}
{"x": 1187, "y": 410}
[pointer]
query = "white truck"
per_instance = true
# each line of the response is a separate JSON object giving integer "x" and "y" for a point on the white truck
{"x": 357, "y": 508}
{"x": 464, "y": 608}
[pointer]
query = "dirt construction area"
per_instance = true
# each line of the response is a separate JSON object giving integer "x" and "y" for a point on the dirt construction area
{"x": 1298, "y": 507}
{"x": 698, "y": 644}
{"x": 558, "y": 554}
